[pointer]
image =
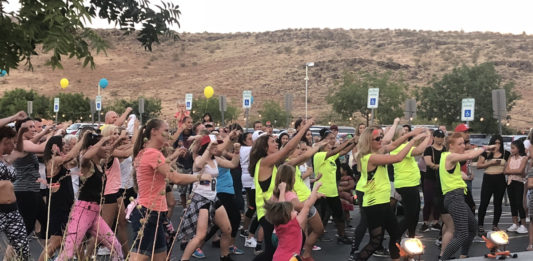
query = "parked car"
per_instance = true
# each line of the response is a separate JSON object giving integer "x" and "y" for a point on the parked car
{"x": 479, "y": 139}
{"x": 508, "y": 139}
{"x": 75, "y": 127}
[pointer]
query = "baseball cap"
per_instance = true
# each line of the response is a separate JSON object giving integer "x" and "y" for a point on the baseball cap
{"x": 257, "y": 134}
{"x": 268, "y": 124}
{"x": 206, "y": 139}
{"x": 462, "y": 128}
{"x": 439, "y": 134}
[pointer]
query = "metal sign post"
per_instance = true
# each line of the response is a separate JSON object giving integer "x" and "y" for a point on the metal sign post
{"x": 499, "y": 106}
{"x": 246, "y": 112}
{"x": 410, "y": 109}
{"x": 141, "y": 108}
{"x": 93, "y": 110}
{"x": 30, "y": 108}
{"x": 222, "y": 107}
{"x": 56, "y": 107}
{"x": 373, "y": 101}
{"x": 288, "y": 107}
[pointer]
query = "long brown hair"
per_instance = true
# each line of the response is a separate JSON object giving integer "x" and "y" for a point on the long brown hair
{"x": 259, "y": 150}
{"x": 145, "y": 133}
{"x": 285, "y": 174}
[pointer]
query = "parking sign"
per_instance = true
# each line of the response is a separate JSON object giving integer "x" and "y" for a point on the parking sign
{"x": 467, "y": 109}
{"x": 247, "y": 99}
{"x": 373, "y": 98}
{"x": 56, "y": 104}
{"x": 188, "y": 101}
{"x": 98, "y": 103}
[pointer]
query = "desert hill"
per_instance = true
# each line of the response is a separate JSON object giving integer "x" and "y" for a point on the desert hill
{"x": 271, "y": 64}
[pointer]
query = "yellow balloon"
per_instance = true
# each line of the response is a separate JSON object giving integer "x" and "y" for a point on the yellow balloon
{"x": 208, "y": 92}
{"x": 63, "y": 83}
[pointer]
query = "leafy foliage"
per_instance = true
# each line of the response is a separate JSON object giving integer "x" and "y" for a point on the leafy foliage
{"x": 58, "y": 26}
{"x": 273, "y": 112}
{"x": 16, "y": 100}
{"x": 201, "y": 105}
{"x": 351, "y": 94}
{"x": 443, "y": 98}
{"x": 72, "y": 107}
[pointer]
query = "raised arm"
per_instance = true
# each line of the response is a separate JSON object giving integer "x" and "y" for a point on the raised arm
{"x": 390, "y": 133}
{"x": 179, "y": 178}
{"x": 21, "y": 115}
{"x": 123, "y": 117}
{"x": 282, "y": 154}
{"x": 234, "y": 162}
{"x": 200, "y": 162}
{"x": 73, "y": 153}
{"x": 422, "y": 146}
{"x": 45, "y": 131}
{"x": 384, "y": 159}
{"x": 401, "y": 140}
{"x": 302, "y": 215}
{"x": 468, "y": 155}
{"x": 307, "y": 155}
{"x": 347, "y": 145}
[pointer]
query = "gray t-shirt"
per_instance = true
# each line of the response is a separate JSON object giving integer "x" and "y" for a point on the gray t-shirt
{"x": 27, "y": 169}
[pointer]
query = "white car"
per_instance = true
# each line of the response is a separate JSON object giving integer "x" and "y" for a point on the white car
{"x": 75, "y": 127}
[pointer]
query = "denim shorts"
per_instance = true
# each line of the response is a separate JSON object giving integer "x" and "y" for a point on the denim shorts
{"x": 149, "y": 234}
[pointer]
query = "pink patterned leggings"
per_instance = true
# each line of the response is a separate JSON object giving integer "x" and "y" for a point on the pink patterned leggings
{"x": 85, "y": 218}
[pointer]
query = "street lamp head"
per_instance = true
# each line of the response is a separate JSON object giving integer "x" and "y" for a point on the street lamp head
{"x": 310, "y": 64}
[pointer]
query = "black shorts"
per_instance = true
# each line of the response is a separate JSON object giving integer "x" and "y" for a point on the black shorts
{"x": 150, "y": 233}
{"x": 335, "y": 206}
{"x": 217, "y": 205}
{"x": 440, "y": 204}
{"x": 112, "y": 198}
{"x": 127, "y": 194}
{"x": 169, "y": 187}
{"x": 58, "y": 222}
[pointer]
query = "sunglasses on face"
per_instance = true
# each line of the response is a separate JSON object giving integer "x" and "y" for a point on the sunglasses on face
{"x": 378, "y": 138}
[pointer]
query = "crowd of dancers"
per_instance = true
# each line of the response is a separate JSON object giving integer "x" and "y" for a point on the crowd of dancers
{"x": 278, "y": 192}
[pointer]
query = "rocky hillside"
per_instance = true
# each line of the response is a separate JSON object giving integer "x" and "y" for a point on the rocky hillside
{"x": 271, "y": 64}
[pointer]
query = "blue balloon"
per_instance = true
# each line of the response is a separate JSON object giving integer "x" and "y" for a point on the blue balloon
{"x": 3, "y": 73}
{"x": 252, "y": 100}
{"x": 103, "y": 83}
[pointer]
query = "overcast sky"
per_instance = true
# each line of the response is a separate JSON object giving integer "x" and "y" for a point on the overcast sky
{"x": 505, "y": 16}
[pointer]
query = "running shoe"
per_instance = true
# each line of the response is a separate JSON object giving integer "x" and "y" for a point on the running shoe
{"x": 316, "y": 248}
{"x": 250, "y": 242}
{"x": 382, "y": 253}
{"x": 521, "y": 230}
{"x": 244, "y": 233}
{"x": 103, "y": 251}
{"x": 234, "y": 250}
{"x": 512, "y": 228}
{"x": 424, "y": 228}
{"x": 258, "y": 252}
{"x": 198, "y": 253}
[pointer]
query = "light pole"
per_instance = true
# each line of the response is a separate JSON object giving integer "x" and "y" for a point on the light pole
{"x": 309, "y": 64}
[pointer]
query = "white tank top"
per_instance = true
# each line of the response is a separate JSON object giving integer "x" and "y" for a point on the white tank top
{"x": 207, "y": 191}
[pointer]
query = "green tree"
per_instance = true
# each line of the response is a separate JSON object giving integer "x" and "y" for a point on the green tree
{"x": 16, "y": 100}
{"x": 442, "y": 100}
{"x": 73, "y": 107}
{"x": 351, "y": 95}
{"x": 152, "y": 107}
{"x": 201, "y": 105}
{"x": 273, "y": 112}
{"x": 58, "y": 26}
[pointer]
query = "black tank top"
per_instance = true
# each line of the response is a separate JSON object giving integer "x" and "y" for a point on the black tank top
{"x": 62, "y": 199}
{"x": 91, "y": 188}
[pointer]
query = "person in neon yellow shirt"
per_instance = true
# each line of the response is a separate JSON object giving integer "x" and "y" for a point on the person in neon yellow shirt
{"x": 264, "y": 158}
{"x": 372, "y": 162}
{"x": 407, "y": 181}
{"x": 324, "y": 163}
{"x": 454, "y": 191}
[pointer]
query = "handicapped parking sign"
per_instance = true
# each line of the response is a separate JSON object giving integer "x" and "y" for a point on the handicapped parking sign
{"x": 372, "y": 101}
{"x": 468, "y": 113}
{"x": 246, "y": 102}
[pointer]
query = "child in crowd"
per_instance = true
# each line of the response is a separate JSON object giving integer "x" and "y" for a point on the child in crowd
{"x": 346, "y": 186}
{"x": 287, "y": 222}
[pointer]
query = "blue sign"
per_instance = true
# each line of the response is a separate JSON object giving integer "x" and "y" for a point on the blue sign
{"x": 468, "y": 113}
{"x": 372, "y": 101}
{"x": 246, "y": 102}
{"x": 98, "y": 106}
{"x": 56, "y": 107}
{"x": 188, "y": 104}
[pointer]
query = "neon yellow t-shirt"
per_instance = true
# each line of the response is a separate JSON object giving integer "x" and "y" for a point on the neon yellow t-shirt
{"x": 261, "y": 196}
{"x": 377, "y": 188}
{"x": 302, "y": 191}
{"x": 328, "y": 168}
{"x": 406, "y": 172}
{"x": 450, "y": 181}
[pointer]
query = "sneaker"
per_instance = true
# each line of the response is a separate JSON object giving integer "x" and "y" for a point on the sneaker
{"x": 435, "y": 227}
{"x": 234, "y": 250}
{"x": 316, "y": 248}
{"x": 198, "y": 253}
{"x": 424, "y": 228}
{"x": 512, "y": 228}
{"x": 521, "y": 230}
{"x": 438, "y": 242}
{"x": 244, "y": 233}
{"x": 326, "y": 239}
{"x": 258, "y": 252}
{"x": 103, "y": 251}
{"x": 478, "y": 239}
{"x": 250, "y": 242}
{"x": 481, "y": 232}
{"x": 382, "y": 253}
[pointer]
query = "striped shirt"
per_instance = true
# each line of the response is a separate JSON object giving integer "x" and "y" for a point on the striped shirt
{"x": 27, "y": 169}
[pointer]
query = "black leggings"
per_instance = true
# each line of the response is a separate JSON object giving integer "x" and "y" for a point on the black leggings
{"x": 380, "y": 218}
{"x": 230, "y": 204}
{"x": 516, "y": 194}
{"x": 250, "y": 198}
{"x": 431, "y": 199}
{"x": 269, "y": 247}
{"x": 491, "y": 185}
{"x": 411, "y": 206}
{"x": 31, "y": 207}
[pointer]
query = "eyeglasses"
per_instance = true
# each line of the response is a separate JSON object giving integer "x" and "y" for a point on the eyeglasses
{"x": 379, "y": 138}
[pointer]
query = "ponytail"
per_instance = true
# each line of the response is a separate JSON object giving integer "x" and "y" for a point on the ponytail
{"x": 145, "y": 135}
{"x": 139, "y": 142}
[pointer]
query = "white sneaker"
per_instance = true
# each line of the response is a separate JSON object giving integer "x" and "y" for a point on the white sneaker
{"x": 103, "y": 251}
{"x": 250, "y": 242}
{"x": 521, "y": 230}
{"x": 512, "y": 228}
